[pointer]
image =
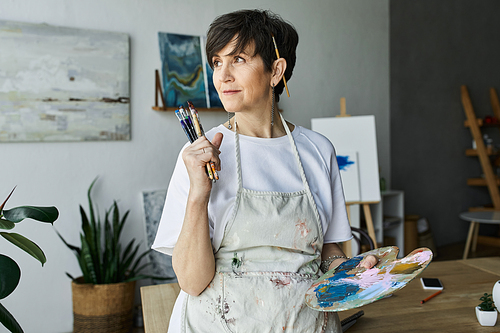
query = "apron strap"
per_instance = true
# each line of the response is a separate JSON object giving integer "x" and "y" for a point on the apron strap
{"x": 302, "y": 173}
{"x": 238, "y": 156}
{"x": 296, "y": 153}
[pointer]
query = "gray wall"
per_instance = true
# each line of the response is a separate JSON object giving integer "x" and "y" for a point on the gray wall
{"x": 437, "y": 46}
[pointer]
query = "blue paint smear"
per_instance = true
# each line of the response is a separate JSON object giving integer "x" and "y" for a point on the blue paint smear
{"x": 373, "y": 292}
{"x": 331, "y": 293}
{"x": 344, "y": 162}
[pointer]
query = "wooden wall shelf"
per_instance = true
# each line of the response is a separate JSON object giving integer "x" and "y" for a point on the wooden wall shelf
{"x": 474, "y": 152}
{"x": 165, "y": 109}
{"x": 479, "y": 122}
{"x": 480, "y": 182}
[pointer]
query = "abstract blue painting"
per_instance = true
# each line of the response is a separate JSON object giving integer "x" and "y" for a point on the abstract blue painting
{"x": 185, "y": 74}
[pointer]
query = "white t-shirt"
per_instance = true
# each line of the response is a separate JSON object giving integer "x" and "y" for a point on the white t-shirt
{"x": 266, "y": 165}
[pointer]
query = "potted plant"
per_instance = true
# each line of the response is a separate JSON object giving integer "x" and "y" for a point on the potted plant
{"x": 486, "y": 311}
{"x": 10, "y": 273}
{"x": 103, "y": 297}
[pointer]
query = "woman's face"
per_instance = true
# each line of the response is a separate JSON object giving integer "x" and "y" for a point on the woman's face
{"x": 241, "y": 80}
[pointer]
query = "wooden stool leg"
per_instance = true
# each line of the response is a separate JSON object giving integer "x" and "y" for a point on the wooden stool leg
{"x": 469, "y": 237}
{"x": 369, "y": 223}
{"x": 348, "y": 210}
{"x": 474, "y": 237}
{"x": 347, "y": 246}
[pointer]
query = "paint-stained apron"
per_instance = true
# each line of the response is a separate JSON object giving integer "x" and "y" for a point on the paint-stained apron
{"x": 268, "y": 258}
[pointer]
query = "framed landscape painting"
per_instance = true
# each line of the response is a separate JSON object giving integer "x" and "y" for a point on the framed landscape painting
{"x": 63, "y": 84}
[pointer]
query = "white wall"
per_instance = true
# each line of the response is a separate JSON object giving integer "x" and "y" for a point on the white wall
{"x": 343, "y": 52}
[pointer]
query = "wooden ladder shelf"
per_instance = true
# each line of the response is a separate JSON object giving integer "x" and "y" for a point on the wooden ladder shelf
{"x": 482, "y": 152}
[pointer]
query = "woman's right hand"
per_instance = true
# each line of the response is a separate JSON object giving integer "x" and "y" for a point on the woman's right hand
{"x": 195, "y": 157}
{"x": 193, "y": 258}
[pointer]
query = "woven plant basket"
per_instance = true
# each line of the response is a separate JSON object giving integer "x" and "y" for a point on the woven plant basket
{"x": 102, "y": 308}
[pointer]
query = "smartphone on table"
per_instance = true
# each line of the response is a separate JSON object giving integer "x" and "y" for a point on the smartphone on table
{"x": 431, "y": 283}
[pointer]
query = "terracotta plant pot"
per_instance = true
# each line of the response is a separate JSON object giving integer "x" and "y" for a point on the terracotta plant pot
{"x": 103, "y": 308}
{"x": 486, "y": 318}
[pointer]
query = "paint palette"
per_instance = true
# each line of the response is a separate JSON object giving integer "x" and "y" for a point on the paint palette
{"x": 348, "y": 286}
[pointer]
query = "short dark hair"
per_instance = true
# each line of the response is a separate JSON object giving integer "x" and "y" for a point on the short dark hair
{"x": 255, "y": 26}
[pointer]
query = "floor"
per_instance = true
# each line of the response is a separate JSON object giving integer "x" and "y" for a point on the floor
{"x": 456, "y": 251}
{"x": 448, "y": 252}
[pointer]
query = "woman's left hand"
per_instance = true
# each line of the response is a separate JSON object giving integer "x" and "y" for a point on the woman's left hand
{"x": 369, "y": 261}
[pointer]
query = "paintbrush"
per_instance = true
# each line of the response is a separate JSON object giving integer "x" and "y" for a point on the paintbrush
{"x": 351, "y": 320}
{"x": 212, "y": 173}
{"x": 278, "y": 55}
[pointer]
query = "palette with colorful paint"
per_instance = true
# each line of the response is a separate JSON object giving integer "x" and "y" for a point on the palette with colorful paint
{"x": 349, "y": 286}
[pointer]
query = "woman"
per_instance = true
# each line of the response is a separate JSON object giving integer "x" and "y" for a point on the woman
{"x": 246, "y": 248}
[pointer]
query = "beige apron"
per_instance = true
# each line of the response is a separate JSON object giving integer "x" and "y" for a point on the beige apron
{"x": 268, "y": 258}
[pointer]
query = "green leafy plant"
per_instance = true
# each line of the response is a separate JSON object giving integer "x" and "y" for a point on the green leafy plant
{"x": 100, "y": 256}
{"x": 10, "y": 273}
{"x": 486, "y": 303}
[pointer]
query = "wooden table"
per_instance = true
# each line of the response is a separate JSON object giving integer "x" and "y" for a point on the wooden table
{"x": 464, "y": 282}
{"x": 157, "y": 306}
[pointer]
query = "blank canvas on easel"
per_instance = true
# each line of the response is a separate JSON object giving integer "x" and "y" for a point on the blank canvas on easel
{"x": 355, "y": 134}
